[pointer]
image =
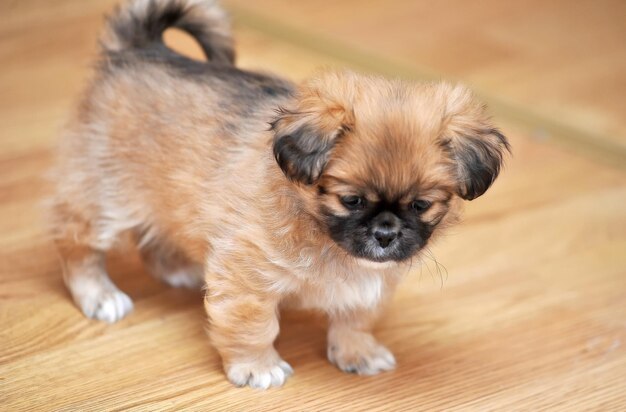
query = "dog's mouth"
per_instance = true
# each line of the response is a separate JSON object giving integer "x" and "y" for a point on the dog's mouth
{"x": 377, "y": 246}
{"x": 373, "y": 253}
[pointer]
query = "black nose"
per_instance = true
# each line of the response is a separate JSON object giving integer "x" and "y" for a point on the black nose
{"x": 385, "y": 236}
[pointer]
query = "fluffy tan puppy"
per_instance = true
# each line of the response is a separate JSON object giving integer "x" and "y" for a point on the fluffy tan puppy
{"x": 266, "y": 193}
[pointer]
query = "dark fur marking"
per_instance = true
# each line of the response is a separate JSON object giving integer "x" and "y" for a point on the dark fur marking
{"x": 143, "y": 31}
{"x": 302, "y": 155}
{"x": 240, "y": 85}
{"x": 353, "y": 232}
{"x": 478, "y": 161}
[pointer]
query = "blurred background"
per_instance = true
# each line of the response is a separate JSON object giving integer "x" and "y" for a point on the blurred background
{"x": 522, "y": 305}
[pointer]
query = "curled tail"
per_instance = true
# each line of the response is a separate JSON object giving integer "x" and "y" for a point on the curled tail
{"x": 139, "y": 24}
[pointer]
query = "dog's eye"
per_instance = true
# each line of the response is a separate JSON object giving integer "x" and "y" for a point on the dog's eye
{"x": 353, "y": 202}
{"x": 420, "y": 205}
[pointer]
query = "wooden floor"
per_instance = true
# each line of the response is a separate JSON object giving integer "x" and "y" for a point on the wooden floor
{"x": 525, "y": 309}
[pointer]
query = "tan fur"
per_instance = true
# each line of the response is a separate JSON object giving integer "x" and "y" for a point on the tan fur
{"x": 150, "y": 152}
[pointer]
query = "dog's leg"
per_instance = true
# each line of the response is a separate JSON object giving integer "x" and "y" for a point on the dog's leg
{"x": 82, "y": 244}
{"x": 171, "y": 265}
{"x": 353, "y": 348}
{"x": 243, "y": 329}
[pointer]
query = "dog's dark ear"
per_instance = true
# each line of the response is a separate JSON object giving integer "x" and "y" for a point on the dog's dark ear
{"x": 305, "y": 134}
{"x": 478, "y": 157}
{"x": 476, "y": 147}
{"x": 303, "y": 151}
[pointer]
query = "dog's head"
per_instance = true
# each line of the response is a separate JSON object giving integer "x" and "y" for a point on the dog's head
{"x": 382, "y": 164}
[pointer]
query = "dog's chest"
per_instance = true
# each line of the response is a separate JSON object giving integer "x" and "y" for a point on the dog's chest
{"x": 339, "y": 293}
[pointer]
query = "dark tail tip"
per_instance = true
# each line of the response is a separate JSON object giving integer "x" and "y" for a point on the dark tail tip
{"x": 139, "y": 24}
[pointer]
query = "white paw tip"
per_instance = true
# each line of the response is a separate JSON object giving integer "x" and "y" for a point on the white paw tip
{"x": 185, "y": 279}
{"x": 377, "y": 361}
{"x": 383, "y": 361}
{"x": 260, "y": 377}
{"x": 111, "y": 307}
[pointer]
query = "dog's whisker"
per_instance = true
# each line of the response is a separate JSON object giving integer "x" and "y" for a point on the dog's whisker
{"x": 441, "y": 269}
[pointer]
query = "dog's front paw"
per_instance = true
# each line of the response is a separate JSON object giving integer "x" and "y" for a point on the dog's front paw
{"x": 108, "y": 306}
{"x": 260, "y": 374}
{"x": 360, "y": 353}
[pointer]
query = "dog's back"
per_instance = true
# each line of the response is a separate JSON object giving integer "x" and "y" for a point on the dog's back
{"x": 155, "y": 126}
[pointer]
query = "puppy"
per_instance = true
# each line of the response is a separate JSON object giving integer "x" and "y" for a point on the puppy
{"x": 267, "y": 193}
